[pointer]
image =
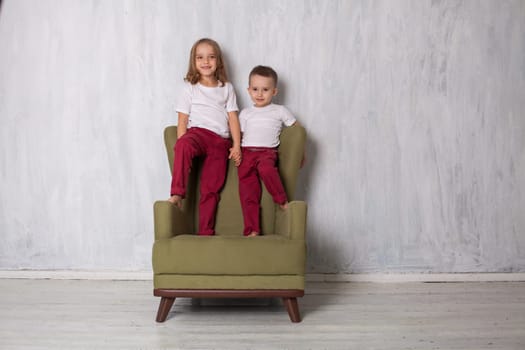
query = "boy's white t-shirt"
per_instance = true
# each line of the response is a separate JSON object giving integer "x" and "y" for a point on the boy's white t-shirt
{"x": 208, "y": 107}
{"x": 261, "y": 126}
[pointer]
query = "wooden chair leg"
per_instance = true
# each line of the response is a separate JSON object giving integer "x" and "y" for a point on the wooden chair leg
{"x": 164, "y": 308}
{"x": 293, "y": 309}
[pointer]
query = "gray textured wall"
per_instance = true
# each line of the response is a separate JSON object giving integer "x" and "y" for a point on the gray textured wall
{"x": 415, "y": 113}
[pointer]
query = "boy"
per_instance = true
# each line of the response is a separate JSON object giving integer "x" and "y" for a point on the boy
{"x": 261, "y": 126}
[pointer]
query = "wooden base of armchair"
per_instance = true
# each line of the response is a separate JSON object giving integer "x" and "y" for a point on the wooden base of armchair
{"x": 168, "y": 298}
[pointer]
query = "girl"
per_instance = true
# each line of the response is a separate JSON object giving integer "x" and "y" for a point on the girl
{"x": 207, "y": 124}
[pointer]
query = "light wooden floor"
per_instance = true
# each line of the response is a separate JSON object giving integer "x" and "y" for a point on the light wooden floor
{"x": 79, "y": 314}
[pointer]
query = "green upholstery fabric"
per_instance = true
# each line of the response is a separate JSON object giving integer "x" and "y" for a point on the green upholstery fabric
{"x": 168, "y": 281}
{"x": 228, "y": 260}
{"x": 229, "y": 255}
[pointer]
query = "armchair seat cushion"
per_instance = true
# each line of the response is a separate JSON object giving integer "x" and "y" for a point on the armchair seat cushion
{"x": 229, "y": 255}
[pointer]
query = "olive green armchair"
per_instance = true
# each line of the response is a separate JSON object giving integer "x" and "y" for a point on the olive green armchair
{"x": 228, "y": 264}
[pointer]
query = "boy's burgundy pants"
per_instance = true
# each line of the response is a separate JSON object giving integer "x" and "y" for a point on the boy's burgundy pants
{"x": 214, "y": 149}
{"x": 258, "y": 162}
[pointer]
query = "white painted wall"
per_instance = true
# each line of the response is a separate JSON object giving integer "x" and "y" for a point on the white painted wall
{"x": 415, "y": 112}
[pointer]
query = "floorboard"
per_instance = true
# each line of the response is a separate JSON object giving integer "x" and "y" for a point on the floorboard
{"x": 80, "y": 314}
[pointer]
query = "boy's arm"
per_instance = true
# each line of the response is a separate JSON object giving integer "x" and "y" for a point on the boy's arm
{"x": 235, "y": 131}
{"x": 182, "y": 125}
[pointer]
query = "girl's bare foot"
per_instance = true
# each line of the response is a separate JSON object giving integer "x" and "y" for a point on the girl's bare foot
{"x": 176, "y": 200}
{"x": 253, "y": 234}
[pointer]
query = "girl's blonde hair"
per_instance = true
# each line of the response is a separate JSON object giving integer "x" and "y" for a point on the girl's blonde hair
{"x": 193, "y": 75}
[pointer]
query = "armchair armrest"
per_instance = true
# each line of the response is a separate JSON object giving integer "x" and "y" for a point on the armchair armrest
{"x": 291, "y": 223}
{"x": 170, "y": 221}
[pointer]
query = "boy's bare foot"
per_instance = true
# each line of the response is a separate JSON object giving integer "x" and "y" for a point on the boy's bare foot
{"x": 253, "y": 234}
{"x": 176, "y": 200}
{"x": 284, "y": 206}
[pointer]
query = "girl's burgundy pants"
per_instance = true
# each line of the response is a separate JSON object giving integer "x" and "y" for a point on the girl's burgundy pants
{"x": 199, "y": 142}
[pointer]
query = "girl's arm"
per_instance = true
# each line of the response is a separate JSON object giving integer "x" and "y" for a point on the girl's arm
{"x": 182, "y": 125}
{"x": 235, "y": 131}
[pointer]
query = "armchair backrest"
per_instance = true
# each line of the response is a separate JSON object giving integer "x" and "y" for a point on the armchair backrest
{"x": 229, "y": 220}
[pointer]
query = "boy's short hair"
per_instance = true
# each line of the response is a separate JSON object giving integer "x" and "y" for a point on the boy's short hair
{"x": 264, "y": 71}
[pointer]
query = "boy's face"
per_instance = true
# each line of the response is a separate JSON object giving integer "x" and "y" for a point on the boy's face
{"x": 262, "y": 90}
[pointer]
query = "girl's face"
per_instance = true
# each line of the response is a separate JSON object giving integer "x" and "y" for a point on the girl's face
{"x": 206, "y": 60}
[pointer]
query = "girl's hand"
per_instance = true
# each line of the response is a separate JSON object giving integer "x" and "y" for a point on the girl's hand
{"x": 236, "y": 155}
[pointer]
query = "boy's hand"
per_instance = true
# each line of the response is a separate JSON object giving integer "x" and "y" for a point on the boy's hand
{"x": 236, "y": 155}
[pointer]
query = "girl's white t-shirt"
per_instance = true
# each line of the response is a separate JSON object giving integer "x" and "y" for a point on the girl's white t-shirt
{"x": 208, "y": 107}
{"x": 261, "y": 126}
